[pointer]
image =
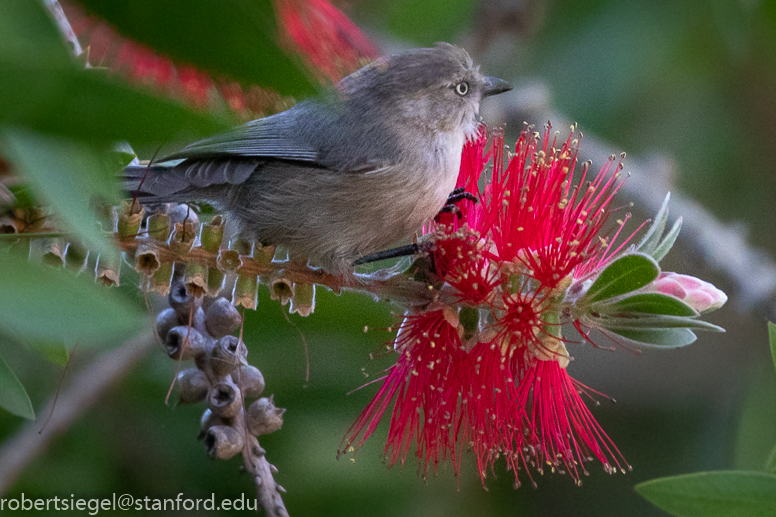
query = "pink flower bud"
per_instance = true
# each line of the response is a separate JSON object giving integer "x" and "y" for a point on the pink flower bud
{"x": 701, "y": 296}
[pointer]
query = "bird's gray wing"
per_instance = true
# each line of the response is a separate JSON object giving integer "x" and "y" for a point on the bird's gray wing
{"x": 163, "y": 181}
{"x": 302, "y": 134}
{"x": 276, "y": 136}
{"x": 230, "y": 157}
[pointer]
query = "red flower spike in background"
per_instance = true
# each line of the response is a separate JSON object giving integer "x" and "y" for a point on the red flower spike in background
{"x": 332, "y": 45}
{"x": 138, "y": 63}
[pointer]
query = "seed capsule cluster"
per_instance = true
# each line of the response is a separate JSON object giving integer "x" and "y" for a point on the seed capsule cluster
{"x": 201, "y": 329}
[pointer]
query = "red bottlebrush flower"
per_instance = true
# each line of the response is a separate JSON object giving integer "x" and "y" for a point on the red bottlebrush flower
{"x": 535, "y": 214}
{"x": 425, "y": 385}
{"x": 485, "y": 367}
{"x": 460, "y": 259}
{"x": 332, "y": 44}
{"x": 461, "y": 255}
{"x": 568, "y": 435}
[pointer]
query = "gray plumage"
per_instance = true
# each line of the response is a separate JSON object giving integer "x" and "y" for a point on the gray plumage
{"x": 344, "y": 175}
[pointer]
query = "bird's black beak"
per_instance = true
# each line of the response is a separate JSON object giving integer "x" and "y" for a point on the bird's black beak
{"x": 494, "y": 86}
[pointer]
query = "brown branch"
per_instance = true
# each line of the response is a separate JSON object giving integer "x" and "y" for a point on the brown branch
{"x": 267, "y": 490}
{"x": 383, "y": 286}
{"x": 87, "y": 387}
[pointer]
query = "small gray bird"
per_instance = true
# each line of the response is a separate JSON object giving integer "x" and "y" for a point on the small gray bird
{"x": 346, "y": 174}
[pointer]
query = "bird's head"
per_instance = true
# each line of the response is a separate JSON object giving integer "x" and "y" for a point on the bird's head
{"x": 436, "y": 89}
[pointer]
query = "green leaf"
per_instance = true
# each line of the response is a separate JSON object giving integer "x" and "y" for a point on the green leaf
{"x": 650, "y": 303}
{"x": 43, "y": 89}
{"x": 26, "y": 28}
{"x": 117, "y": 161}
{"x": 664, "y": 338}
{"x": 714, "y": 494}
{"x": 43, "y": 304}
{"x": 425, "y": 22}
{"x": 13, "y": 396}
{"x": 624, "y": 275}
{"x": 90, "y": 105}
{"x": 668, "y": 241}
{"x": 70, "y": 177}
{"x": 755, "y": 421}
{"x": 647, "y": 321}
{"x": 52, "y": 351}
{"x": 23, "y": 196}
{"x": 772, "y": 339}
{"x": 651, "y": 239}
{"x": 236, "y": 39}
{"x": 653, "y": 243}
{"x": 770, "y": 464}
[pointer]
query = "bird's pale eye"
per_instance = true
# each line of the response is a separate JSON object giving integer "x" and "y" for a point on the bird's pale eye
{"x": 462, "y": 88}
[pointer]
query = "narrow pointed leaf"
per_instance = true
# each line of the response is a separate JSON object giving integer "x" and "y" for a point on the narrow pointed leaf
{"x": 13, "y": 396}
{"x": 52, "y": 351}
{"x": 236, "y": 39}
{"x": 770, "y": 464}
{"x": 648, "y": 321}
{"x": 44, "y": 304}
{"x": 664, "y": 338}
{"x": 714, "y": 494}
{"x": 23, "y": 197}
{"x": 651, "y": 303}
{"x": 772, "y": 339}
{"x": 668, "y": 241}
{"x": 651, "y": 239}
{"x": 43, "y": 89}
{"x": 624, "y": 275}
{"x": 117, "y": 161}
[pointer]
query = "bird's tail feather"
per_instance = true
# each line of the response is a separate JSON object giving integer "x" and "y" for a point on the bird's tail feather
{"x": 151, "y": 184}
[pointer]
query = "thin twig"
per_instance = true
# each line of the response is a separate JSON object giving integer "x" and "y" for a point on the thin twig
{"x": 64, "y": 26}
{"x": 267, "y": 490}
{"x": 87, "y": 387}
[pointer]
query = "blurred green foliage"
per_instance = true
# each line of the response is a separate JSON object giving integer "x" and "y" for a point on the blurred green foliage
{"x": 728, "y": 493}
{"x": 422, "y": 23}
{"x": 694, "y": 81}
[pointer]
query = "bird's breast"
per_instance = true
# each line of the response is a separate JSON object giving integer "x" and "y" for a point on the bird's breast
{"x": 431, "y": 178}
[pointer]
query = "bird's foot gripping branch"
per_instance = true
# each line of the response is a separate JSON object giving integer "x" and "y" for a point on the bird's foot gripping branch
{"x": 493, "y": 310}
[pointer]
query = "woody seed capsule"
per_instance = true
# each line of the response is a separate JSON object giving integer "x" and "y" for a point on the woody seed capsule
{"x": 263, "y": 417}
{"x": 250, "y": 380}
{"x": 222, "y": 318}
{"x": 192, "y": 385}
{"x": 224, "y": 400}
{"x": 225, "y": 355}
{"x": 184, "y": 343}
{"x": 223, "y": 442}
